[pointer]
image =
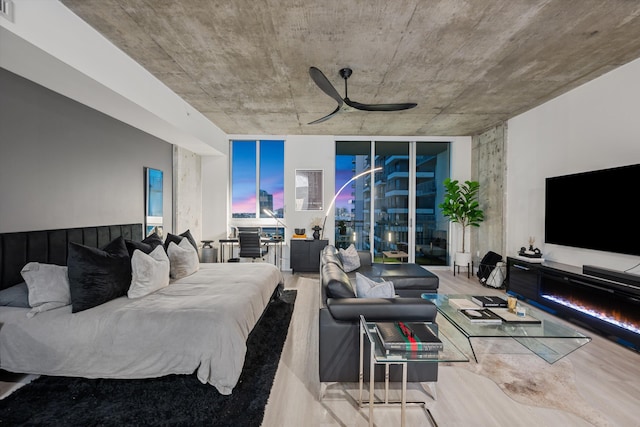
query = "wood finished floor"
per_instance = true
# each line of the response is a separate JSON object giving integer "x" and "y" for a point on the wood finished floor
{"x": 607, "y": 376}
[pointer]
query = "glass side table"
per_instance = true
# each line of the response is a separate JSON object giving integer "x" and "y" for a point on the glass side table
{"x": 380, "y": 356}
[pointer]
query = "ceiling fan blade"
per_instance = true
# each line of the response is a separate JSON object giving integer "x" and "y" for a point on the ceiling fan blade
{"x": 327, "y": 117}
{"x": 325, "y": 85}
{"x": 380, "y": 107}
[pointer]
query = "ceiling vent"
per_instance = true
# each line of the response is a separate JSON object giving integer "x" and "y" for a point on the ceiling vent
{"x": 6, "y": 9}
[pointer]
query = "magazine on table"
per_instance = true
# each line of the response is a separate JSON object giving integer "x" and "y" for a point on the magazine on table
{"x": 408, "y": 336}
{"x": 481, "y": 315}
{"x": 462, "y": 303}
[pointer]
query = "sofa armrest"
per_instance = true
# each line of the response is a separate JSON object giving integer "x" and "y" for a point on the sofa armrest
{"x": 382, "y": 309}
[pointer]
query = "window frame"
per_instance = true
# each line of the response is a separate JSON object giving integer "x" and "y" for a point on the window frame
{"x": 259, "y": 220}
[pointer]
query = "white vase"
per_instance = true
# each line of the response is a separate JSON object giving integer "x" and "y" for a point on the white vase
{"x": 463, "y": 259}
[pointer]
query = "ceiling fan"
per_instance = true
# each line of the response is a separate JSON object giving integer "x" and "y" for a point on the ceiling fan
{"x": 346, "y": 104}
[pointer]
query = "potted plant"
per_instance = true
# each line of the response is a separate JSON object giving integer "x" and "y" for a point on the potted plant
{"x": 460, "y": 205}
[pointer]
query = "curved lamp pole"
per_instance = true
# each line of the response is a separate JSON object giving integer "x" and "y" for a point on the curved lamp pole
{"x": 333, "y": 201}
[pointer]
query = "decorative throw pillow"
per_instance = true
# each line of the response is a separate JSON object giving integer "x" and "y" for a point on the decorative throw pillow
{"x": 148, "y": 272}
{"x": 98, "y": 275}
{"x": 177, "y": 239}
{"x": 48, "y": 286}
{"x": 15, "y": 296}
{"x": 147, "y": 245}
{"x": 367, "y": 288}
{"x": 350, "y": 258}
{"x": 183, "y": 259}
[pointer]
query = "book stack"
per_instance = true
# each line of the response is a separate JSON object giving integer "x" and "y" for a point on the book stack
{"x": 489, "y": 301}
{"x": 481, "y": 315}
{"x": 408, "y": 336}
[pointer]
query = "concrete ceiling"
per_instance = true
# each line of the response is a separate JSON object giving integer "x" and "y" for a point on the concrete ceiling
{"x": 468, "y": 64}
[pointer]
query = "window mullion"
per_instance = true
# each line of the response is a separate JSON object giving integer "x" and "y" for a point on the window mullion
{"x": 258, "y": 160}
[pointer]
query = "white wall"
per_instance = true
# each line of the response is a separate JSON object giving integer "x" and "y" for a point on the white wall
{"x": 215, "y": 178}
{"x": 592, "y": 127}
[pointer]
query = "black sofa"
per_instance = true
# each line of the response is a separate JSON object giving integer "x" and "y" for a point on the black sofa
{"x": 340, "y": 314}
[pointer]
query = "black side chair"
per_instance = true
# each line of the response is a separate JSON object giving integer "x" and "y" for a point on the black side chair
{"x": 251, "y": 246}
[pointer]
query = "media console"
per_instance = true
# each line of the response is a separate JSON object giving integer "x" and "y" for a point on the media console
{"x": 609, "y": 307}
{"x": 613, "y": 275}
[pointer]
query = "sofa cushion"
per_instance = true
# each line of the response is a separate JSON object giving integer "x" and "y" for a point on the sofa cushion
{"x": 336, "y": 282}
{"x": 367, "y": 288}
{"x": 409, "y": 277}
{"x": 382, "y": 309}
{"x": 330, "y": 255}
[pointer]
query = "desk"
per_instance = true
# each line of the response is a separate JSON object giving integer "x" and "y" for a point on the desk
{"x": 277, "y": 243}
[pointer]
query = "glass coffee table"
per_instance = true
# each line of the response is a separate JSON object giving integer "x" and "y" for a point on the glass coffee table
{"x": 379, "y": 356}
{"x": 548, "y": 339}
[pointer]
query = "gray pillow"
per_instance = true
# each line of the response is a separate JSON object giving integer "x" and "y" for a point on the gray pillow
{"x": 48, "y": 286}
{"x": 15, "y": 296}
{"x": 350, "y": 258}
{"x": 183, "y": 259}
{"x": 148, "y": 272}
{"x": 367, "y": 288}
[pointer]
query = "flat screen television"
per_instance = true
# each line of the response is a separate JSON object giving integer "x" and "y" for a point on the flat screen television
{"x": 594, "y": 210}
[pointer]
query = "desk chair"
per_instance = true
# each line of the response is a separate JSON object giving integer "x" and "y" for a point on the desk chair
{"x": 251, "y": 246}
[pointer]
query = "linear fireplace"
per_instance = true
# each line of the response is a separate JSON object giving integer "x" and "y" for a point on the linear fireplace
{"x": 607, "y": 307}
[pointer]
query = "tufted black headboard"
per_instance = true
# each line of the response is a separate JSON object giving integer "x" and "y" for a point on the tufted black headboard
{"x": 50, "y": 246}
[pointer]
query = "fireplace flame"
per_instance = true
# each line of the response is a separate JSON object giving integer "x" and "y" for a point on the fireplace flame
{"x": 614, "y": 318}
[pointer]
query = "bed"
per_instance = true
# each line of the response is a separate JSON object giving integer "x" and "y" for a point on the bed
{"x": 199, "y": 323}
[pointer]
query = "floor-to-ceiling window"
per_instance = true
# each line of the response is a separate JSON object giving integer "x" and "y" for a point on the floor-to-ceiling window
{"x": 397, "y": 211}
{"x": 352, "y": 207}
{"x": 391, "y": 198}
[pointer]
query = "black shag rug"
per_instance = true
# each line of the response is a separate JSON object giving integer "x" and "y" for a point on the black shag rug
{"x": 174, "y": 400}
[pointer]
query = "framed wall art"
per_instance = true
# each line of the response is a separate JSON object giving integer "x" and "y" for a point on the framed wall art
{"x": 309, "y": 189}
{"x": 153, "y": 201}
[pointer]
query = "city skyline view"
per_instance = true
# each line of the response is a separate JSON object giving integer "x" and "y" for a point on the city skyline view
{"x": 244, "y": 172}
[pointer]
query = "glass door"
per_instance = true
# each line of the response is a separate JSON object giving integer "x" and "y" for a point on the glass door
{"x": 353, "y": 205}
{"x": 391, "y": 201}
{"x": 398, "y": 211}
{"x": 431, "y": 228}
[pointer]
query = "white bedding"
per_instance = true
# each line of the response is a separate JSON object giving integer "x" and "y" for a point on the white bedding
{"x": 198, "y": 323}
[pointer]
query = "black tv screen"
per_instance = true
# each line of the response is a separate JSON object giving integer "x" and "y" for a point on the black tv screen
{"x": 594, "y": 210}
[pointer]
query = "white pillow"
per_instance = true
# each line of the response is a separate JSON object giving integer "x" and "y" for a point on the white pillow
{"x": 48, "y": 286}
{"x": 183, "y": 258}
{"x": 367, "y": 288}
{"x": 350, "y": 258}
{"x": 148, "y": 272}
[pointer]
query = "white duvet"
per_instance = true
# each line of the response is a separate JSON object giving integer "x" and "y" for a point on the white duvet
{"x": 198, "y": 323}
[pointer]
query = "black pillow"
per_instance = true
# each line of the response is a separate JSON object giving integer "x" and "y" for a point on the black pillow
{"x": 147, "y": 245}
{"x": 97, "y": 275}
{"x": 176, "y": 239}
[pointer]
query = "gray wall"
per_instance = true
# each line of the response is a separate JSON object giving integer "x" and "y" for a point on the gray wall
{"x": 488, "y": 167}
{"x": 63, "y": 164}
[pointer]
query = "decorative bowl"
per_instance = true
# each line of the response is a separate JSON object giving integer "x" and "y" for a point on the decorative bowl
{"x": 300, "y": 230}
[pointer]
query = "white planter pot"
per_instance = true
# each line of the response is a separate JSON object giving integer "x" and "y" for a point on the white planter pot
{"x": 463, "y": 259}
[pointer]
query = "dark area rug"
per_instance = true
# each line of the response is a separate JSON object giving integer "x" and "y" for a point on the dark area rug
{"x": 174, "y": 400}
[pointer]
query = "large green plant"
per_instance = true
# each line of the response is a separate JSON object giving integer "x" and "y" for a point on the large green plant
{"x": 461, "y": 204}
